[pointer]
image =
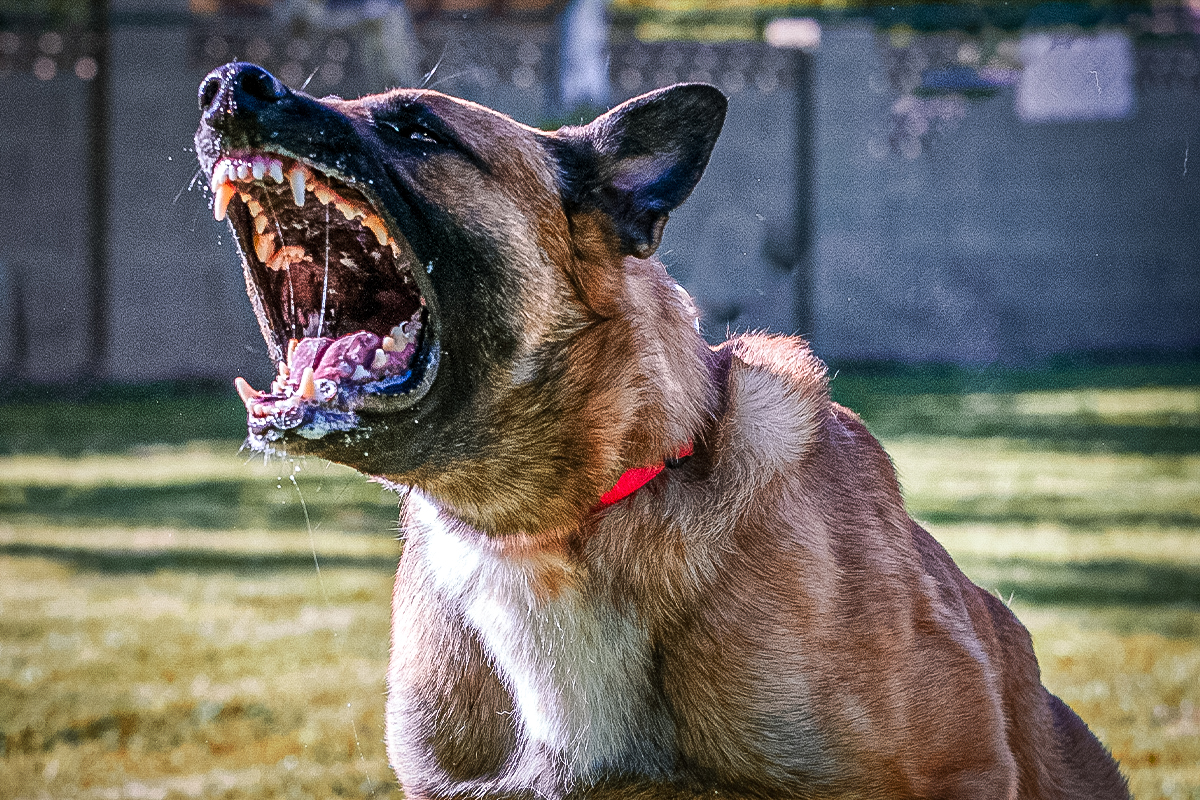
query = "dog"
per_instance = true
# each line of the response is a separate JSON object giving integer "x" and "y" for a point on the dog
{"x": 635, "y": 565}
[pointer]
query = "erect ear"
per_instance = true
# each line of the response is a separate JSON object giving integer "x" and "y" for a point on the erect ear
{"x": 640, "y": 161}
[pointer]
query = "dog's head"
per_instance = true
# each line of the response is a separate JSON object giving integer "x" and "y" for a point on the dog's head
{"x": 458, "y": 301}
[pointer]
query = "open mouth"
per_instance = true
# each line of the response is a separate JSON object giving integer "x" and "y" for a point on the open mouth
{"x": 337, "y": 292}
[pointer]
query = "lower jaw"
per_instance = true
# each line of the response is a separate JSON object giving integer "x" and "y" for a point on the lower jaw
{"x": 274, "y": 418}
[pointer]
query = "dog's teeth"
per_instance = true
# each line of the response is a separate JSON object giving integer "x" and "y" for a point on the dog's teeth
{"x": 296, "y": 176}
{"x": 376, "y": 226}
{"x": 389, "y": 344}
{"x": 291, "y": 351}
{"x": 254, "y": 206}
{"x": 322, "y": 194}
{"x": 261, "y": 223}
{"x": 380, "y": 360}
{"x": 258, "y": 169}
{"x": 276, "y": 171}
{"x": 284, "y": 256}
{"x": 347, "y": 210}
{"x": 246, "y": 391}
{"x": 243, "y": 171}
{"x": 221, "y": 197}
{"x": 218, "y": 176}
{"x": 264, "y": 246}
{"x": 307, "y": 389}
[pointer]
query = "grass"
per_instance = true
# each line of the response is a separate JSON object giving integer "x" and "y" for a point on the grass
{"x": 165, "y": 631}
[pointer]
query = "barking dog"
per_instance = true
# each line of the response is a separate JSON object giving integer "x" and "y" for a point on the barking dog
{"x": 635, "y": 566}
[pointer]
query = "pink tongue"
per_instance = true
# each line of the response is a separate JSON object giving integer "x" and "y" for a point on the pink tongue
{"x": 308, "y": 352}
{"x": 346, "y": 353}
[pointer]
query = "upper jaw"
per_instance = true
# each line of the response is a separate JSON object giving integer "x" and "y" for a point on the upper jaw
{"x": 349, "y": 316}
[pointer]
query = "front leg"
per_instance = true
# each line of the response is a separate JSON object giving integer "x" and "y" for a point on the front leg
{"x": 449, "y": 718}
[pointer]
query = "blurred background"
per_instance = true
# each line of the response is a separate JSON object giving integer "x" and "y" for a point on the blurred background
{"x": 984, "y": 215}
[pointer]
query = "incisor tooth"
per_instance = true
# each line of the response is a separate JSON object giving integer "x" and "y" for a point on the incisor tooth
{"x": 243, "y": 171}
{"x": 221, "y": 197}
{"x": 379, "y": 361}
{"x": 296, "y": 176}
{"x": 246, "y": 391}
{"x": 264, "y": 246}
{"x": 307, "y": 389}
{"x": 376, "y": 226}
{"x": 276, "y": 170}
{"x": 258, "y": 169}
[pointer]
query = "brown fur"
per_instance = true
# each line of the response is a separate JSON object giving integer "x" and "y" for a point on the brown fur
{"x": 761, "y": 620}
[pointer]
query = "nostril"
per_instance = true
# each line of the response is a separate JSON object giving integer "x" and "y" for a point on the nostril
{"x": 260, "y": 85}
{"x": 208, "y": 92}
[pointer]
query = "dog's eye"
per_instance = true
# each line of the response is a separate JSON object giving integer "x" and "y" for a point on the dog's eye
{"x": 414, "y": 133}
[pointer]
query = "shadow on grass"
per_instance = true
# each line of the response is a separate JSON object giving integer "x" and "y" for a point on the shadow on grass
{"x": 203, "y": 505}
{"x": 138, "y": 562}
{"x": 1097, "y": 583}
{"x": 1018, "y": 512}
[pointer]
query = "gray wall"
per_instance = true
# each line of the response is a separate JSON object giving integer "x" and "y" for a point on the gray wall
{"x": 1002, "y": 240}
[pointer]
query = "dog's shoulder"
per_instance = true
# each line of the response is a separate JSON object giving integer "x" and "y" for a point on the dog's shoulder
{"x": 775, "y": 403}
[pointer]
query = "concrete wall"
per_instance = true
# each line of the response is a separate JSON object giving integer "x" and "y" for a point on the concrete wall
{"x": 1002, "y": 240}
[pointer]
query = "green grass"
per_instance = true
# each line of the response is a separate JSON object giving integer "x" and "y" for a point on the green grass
{"x": 165, "y": 631}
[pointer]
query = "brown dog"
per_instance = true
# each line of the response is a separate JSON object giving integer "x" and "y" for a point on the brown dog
{"x": 466, "y": 308}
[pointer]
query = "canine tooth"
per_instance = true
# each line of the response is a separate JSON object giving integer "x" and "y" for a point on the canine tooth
{"x": 276, "y": 170}
{"x": 258, "y": 169}
{"x": 246, "y": 391}
{"x": 243, "y": 171}
{"x": 261, "y": 223}
{"x": 389, "y": 344}
{"x": 218, "y": 176}
{"x": 264, "y": 246}
{"x": 307, "y": 389}
{"x": 322, "y": 194}
{"x": 221, "y": 197}
{"x": 380, "y": 360}
{"x": 376, "y": 226}
{"x": 296, "y": 176}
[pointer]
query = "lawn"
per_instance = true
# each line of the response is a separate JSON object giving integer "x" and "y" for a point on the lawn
{"x": 181, "y": 620}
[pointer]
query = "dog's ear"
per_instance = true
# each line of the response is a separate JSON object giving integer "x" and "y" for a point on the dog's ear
{"x": 640, "y": 161}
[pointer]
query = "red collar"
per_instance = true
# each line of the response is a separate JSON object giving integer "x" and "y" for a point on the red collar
{"x": 636, "y": 478}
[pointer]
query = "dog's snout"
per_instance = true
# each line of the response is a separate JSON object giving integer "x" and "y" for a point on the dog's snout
{"x": 239, "y": 86}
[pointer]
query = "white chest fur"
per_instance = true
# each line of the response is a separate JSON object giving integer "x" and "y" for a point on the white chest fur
{"x": 579, "y": 668}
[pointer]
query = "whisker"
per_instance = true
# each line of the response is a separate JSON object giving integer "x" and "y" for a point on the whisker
{"x": 308, "y": 80}
{"x": 190, "y": 185}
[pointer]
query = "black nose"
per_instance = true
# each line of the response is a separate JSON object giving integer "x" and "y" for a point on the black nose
{"x": 239, "y": 86}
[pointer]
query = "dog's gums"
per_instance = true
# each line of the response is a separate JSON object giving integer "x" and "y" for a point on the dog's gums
{"x": 336, "y": 286}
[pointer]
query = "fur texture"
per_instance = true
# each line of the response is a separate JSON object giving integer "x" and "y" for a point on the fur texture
{"x": 763, "y": 619}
